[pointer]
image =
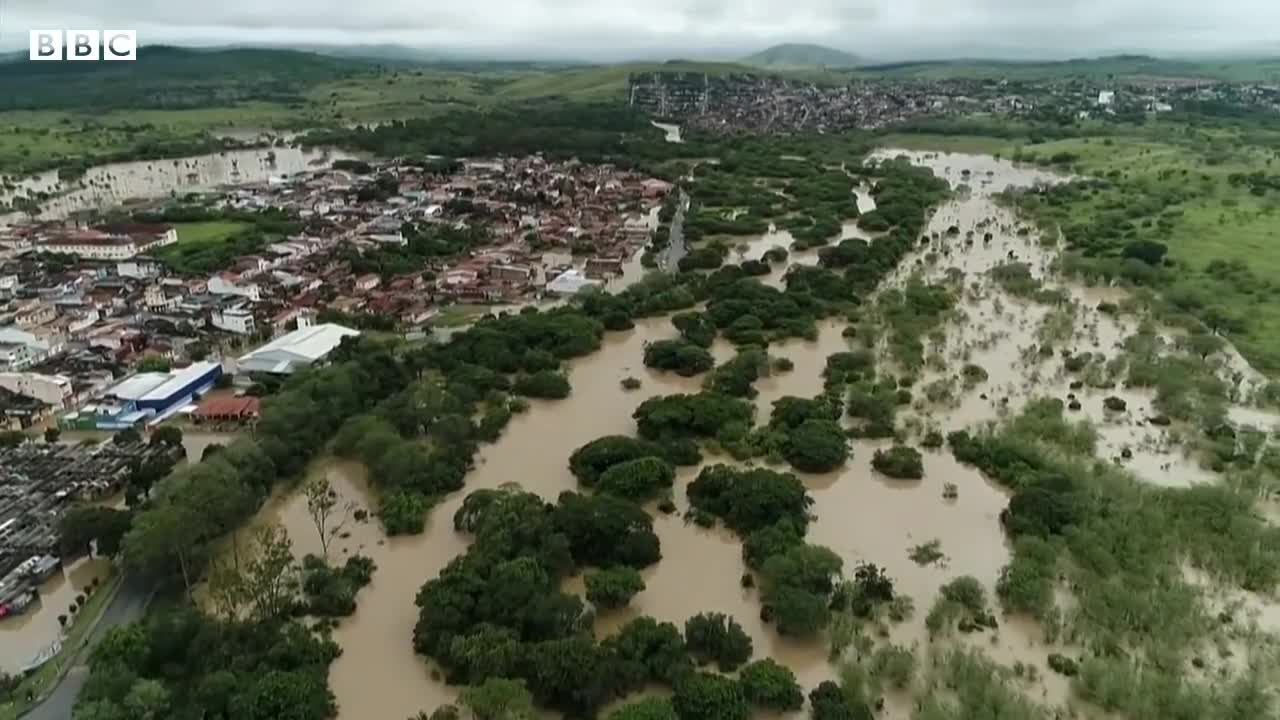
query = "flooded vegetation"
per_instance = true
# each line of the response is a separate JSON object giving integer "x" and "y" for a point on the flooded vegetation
{"x": 979, "y": 485}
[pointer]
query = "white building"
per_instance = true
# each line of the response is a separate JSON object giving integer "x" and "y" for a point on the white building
{"x": 1107, "y": 97}
{"x": 219, "y": 285}
{"x": 16, "y": 356}
{"x": 570, "y": 282}
{"x": 234, "y": 320}
{"x": 38, "y": 348}
{"x": 111, "y": 242}
{"x": 296, "y": 350}
{"x": 54, "y": 390}
{"x": 139, "y": 269}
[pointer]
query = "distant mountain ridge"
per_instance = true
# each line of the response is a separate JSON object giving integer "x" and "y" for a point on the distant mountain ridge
{"x": 801, "y": 55}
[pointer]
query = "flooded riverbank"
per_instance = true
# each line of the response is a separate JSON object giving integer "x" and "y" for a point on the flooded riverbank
{"x": 859, "y": 514}
{"x": 117, "y": 183}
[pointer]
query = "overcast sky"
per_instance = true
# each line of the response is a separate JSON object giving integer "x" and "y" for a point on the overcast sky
{"x": 611, "y": 30}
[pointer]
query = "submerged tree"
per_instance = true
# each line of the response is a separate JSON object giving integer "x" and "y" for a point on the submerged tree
{"x": 322, "y": 507}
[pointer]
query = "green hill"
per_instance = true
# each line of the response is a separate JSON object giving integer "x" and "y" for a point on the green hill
{"x": 795, "y": 55}
{"x": 602, "y": 82}
{"x": 166, "y": 77}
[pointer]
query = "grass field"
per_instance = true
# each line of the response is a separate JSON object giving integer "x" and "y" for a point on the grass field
{"x": 206, "y": 233}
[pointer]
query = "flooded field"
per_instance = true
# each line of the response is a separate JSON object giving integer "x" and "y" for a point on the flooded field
{"x": 117, "y": 183}
{"x": 860, "y": 515}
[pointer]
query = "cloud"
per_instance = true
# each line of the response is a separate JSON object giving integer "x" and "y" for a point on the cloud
{"x": 627, "y": 29}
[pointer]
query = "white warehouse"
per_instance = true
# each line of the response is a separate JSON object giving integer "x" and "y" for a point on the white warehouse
{"x": 294, "y": 351}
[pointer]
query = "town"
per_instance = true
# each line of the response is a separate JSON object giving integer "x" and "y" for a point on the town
{"x": 108, "y": 327}
{"x": 387, "y": 247}
{"x": 743, "y": 102}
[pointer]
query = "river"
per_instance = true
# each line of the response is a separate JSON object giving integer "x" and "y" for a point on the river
{"x": 860, "y": 515}
{"x": 118, "y": 183}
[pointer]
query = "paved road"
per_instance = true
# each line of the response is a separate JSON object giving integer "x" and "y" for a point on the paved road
{"x": 127, "y": 606}
{"x": 669, "y": 260}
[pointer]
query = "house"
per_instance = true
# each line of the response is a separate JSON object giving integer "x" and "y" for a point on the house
{"x": 228, "y": 409}
{"x": 236, "y": 320}
{"x": 1107, "y": 97}
{"x": 570, "y": 282}
{"x": 511, "y": 273}
{"x": 417, "y": 314}
{"x": 158, "y": 298}
{"x": 227, "y": 284}
{"x": 601, "y": 268}
{"x": 18, "y": 412}
{"x": 33, "y": 314}
{"x": 53, "y": 390}
{"x": 395, "y": 239}
{"x": 367, "y": 282}
{"x": 17, "y": 356}
{"x": 655, "y": 188}
{"x": 38, "y": 346}
{"x": 139, "y": 268}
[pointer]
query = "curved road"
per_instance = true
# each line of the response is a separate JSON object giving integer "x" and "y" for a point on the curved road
{"x": 129, "y": 604}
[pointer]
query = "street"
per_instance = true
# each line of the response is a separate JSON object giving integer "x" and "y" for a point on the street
{"x": 129, "y": 605}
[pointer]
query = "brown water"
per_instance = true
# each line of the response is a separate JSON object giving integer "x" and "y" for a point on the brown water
{"x": 1000, "y": 332}
{"x": 859, "y": 514}
{"x": 194, "y": 442}
{"x": 111, "y": 185}
{"x": 23, "y": 636}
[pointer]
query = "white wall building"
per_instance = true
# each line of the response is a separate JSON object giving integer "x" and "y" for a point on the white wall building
{"x": 139, "y": 269}
{"x": 234, "y": 320}
{"x": 55, "y": 390}
{"x": 38, "y": 348}
{"x": 219, "y": 285}
{"x": 111, "y": 242}
{"x": 16, "y": 356}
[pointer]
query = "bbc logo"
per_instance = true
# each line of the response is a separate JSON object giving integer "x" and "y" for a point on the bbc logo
{"x": 84, "y": 45}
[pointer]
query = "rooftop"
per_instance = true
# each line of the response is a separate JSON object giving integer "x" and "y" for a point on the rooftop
{"x": 300, "y": 347}
{"x": 158, "y": 386}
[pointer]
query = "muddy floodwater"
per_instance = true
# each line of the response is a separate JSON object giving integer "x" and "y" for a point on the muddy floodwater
{"x": 22, "y": 637}
{"x": 114, "y": 184}
{"x": 860, "y": 515}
